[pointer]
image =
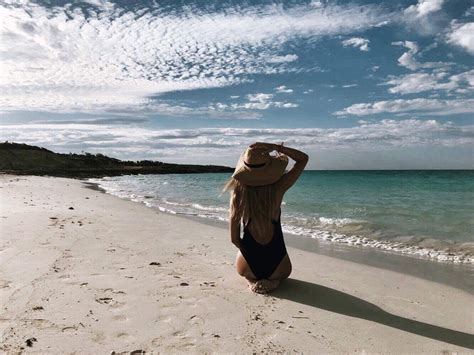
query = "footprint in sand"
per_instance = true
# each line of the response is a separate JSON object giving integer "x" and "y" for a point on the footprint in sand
{"x": 194, "y": 320}
{"x": 5, "y": 283}
{"x": 208, "y": 284}
{"x": 110, "y": 302}
{"x": 69, "y": 329}
{"x": 40, "y": 323}
{"x": 123, "y": 336}
{"x": 104, "y": 300}
{"x": 117, "y": 292}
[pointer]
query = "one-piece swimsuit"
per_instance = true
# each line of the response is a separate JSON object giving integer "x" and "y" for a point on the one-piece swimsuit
{"x": 263, "y": 259}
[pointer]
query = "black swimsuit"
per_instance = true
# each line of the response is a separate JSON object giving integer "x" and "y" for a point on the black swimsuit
{"x": 263, "y": 259}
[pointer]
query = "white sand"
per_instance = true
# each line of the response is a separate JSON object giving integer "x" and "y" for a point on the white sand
{"x": 82, "y": 283}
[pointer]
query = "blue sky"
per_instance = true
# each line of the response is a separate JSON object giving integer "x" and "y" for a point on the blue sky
{"x": 357, "y": 85}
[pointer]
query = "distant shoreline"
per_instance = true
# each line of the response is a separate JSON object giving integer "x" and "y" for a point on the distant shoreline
{"x": 86, "y": 174}
{"x": 24, "y": 159}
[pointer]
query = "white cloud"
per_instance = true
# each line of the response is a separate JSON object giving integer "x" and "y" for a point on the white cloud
{"x": 357, "y": 42}
{"x": 425, "y": 17}
{"x": 256, "y": 102}
{"x": 462, "y": 34}
{"x": 142, "y": 143}
{"x": 261, "y": 97}
{"x": 283, "y": 90}
{"x": 424, "y": 8}
{"x": 466, "y": 78}
{"x": 96, "y": 121}
{"x": 433, "y": 107}
{"x": 282, "y": 59}
{"x": 104, "y": 58}
{"x": 469, "y": 12}
{"x": 259, "y": 101}
{"x": 420, "y": 82}
{"x": 414, "y": 83}
{"x": 409, "y": 58}
{"x": 285, "y": 104}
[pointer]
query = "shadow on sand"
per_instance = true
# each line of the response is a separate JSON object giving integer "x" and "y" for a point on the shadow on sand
{"x": 343, "y": 303}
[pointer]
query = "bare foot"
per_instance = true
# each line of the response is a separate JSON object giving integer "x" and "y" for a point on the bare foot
{"x": 270, "y": 285}
{"x": 251, "y": 284}
{"x": 256, "y": 286}
{"x": 263, "y": 286}
{"x": 259, "y": 287}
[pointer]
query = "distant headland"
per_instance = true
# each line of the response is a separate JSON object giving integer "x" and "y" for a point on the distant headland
{"x": 24, "y": 159}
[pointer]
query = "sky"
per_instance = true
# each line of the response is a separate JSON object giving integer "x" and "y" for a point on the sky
{"x": 356, "y": 85}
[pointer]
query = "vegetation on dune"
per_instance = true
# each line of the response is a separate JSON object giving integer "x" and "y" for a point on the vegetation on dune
{"x": 20, "y": 158}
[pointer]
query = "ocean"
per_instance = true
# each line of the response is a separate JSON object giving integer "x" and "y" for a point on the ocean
{"x": 426, "y": 214}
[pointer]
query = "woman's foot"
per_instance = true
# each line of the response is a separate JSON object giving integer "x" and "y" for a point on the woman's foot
{"x": 270, "y": 285}
{"x": 263, "y": 286}
{"x": 254, "y": 285}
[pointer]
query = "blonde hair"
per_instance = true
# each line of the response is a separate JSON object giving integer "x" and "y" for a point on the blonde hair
{"x": 255, "y": 203}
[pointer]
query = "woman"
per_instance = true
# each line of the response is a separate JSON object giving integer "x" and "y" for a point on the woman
{"x": 258, "y": 185}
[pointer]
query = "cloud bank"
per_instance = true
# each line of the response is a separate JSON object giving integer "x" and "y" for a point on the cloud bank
{"x": 132, "y": 141}
{"x": 421, "y": 106}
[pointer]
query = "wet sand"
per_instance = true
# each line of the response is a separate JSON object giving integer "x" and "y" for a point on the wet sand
{"x": 86, "y": 272}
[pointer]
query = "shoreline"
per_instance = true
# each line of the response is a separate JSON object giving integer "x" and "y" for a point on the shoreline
{"x": 457, "y": 275}
{"x": 421, "y": 247}
{"x": 83, "y": 271}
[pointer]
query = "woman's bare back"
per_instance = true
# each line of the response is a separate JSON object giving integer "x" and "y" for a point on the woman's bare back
{"x": 275, "y": 217}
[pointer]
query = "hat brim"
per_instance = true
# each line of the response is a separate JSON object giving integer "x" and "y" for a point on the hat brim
{"x": 268, "y": 174}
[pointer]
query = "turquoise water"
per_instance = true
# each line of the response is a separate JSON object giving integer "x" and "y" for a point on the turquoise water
{"x": 425, "y": 213}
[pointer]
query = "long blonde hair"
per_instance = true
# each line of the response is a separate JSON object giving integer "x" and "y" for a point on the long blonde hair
{"x": 255, "y": 203}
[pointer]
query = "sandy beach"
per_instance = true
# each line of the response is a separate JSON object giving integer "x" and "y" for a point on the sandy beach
{"x": 85, "y": 272}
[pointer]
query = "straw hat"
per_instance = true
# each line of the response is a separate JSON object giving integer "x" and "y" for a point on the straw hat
{"x": 256, "y": 167}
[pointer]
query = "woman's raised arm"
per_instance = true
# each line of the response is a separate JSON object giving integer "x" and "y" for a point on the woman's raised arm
{"x": 301, "y": 159}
